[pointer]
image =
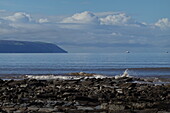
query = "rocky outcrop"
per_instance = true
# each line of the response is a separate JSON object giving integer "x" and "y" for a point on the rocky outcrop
{"x": 83, "y": 95}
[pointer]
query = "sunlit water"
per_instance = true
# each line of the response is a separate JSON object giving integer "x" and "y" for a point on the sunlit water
{"x": 139, "y": 64}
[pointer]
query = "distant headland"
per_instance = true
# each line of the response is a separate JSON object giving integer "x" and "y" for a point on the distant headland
{"x": 11, "y": 46}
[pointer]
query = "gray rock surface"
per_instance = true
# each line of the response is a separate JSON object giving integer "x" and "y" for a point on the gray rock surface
{"x": 85, "y": 95}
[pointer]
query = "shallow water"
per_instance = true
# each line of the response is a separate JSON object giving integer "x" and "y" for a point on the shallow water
{"x": 139, "y": 64}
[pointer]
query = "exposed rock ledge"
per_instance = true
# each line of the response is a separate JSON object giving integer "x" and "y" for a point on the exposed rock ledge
{"x": 89, "y": 95}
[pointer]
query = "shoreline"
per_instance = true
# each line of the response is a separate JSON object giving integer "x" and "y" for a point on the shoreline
{"x": 77, "y": 75}
{"x": 84, "y": 95}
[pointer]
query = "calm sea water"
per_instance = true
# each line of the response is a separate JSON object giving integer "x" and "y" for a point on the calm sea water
{"x": 139, "y": 64}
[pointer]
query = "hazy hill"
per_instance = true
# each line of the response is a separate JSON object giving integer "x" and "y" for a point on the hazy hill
{"x": 10, "y": 46}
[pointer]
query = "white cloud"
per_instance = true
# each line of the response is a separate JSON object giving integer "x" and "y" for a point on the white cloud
{"x": 103, "y": 18}
{"x": 19, "y": 17}
{"x": 5, "y": 28}
{"x": 163, "y": 23}
{"x": 104, "y": 14}
{"x": 116, "y": 19}
{"x": 43, "y": 20}
{"x": 83, "y": 18}
{"x": 2, "y": 11}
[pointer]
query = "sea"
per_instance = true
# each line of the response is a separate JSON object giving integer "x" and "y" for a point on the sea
{"x": 110, "y": 64}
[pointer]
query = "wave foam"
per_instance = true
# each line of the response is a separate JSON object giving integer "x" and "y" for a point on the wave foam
{"x": 124, "y": 75}
{"x": 62, "y": 77}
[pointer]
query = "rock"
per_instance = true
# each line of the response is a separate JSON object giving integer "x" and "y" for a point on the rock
{"x": 81, "y": 74}
{"x": 147, "y": 111}
{"x": 139, "y": 105}
{"x": 2, "y": 111}
{"x": 87, "y": 83}
{"x": 127, "y": 85}
{"x": 47, "y": 110}
{"x": 8, "y": 110}
{"x": 114, "y": 107}
{"x": 85, "y": 108}
{"x": 32, "y": 109}
{"x": 1, "y": 81}
{"x": 93, "y": 103}
{"x": 84, "y": 98}
{"x": 119, "y": 91}
{"x": 104, "y": 106}
{"x": 38, "y": 104}
{"x": 23, "y": 85}
{"x": 163, "y": 112}
{"x": 20, "y": 110}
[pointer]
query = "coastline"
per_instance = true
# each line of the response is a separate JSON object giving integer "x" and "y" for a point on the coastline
{"x": 109, "y": 94}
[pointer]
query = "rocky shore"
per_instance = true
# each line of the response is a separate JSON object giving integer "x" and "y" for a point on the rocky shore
{"x": 90, "y": 95}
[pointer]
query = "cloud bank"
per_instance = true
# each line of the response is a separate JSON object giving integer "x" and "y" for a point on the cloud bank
{"x": 43, "y": 20}
{"x": 116, "y": 19}
{"x": 87, "y": 31}
{"x": 163, "y": 23}
{"x": 84, "y": 18}
{"x": 19, "y": 17}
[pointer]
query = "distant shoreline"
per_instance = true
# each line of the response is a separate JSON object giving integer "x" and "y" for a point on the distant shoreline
{"x": 12, "y": 46}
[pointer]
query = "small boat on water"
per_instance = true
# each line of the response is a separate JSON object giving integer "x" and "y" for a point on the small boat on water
{"x": 127, "y": 52}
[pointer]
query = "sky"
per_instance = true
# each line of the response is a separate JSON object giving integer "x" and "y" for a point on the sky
{"x": 89, "y": 25}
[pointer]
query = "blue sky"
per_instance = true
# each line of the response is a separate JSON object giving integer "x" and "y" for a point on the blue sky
{"x": 143, "y": 10}
{"x": 89, "y": 25}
